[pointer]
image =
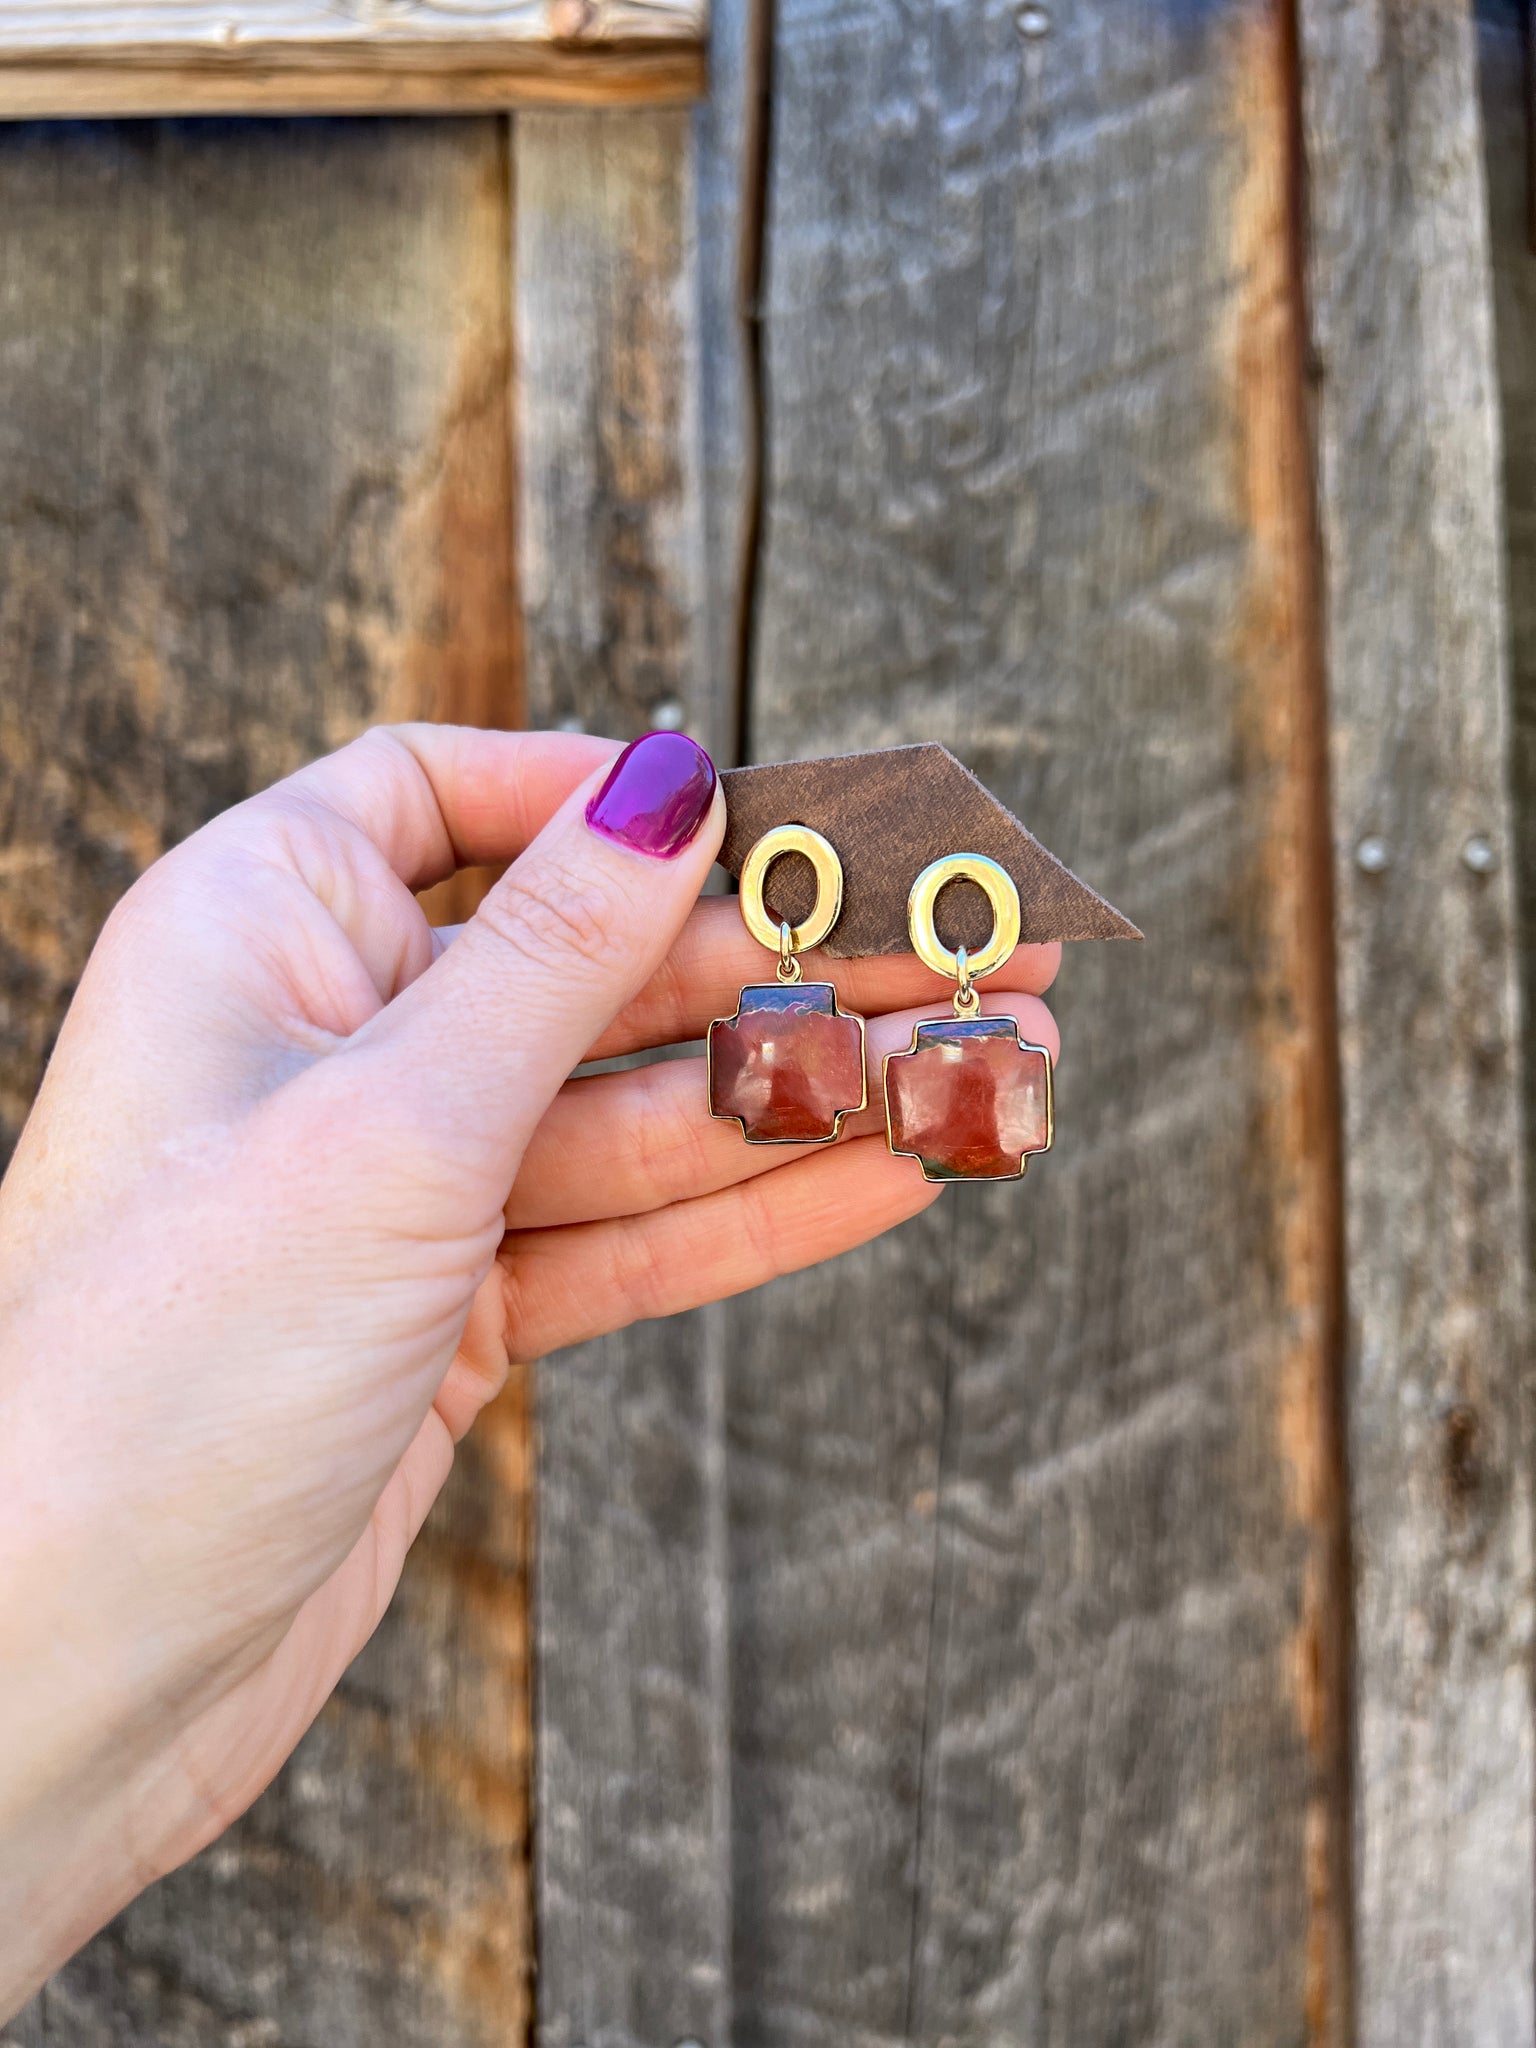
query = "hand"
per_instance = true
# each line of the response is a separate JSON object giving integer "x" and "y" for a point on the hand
{"x": 303, "y": 1177}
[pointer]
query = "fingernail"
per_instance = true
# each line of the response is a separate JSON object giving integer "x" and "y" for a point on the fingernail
{"x": 657, "y": 795}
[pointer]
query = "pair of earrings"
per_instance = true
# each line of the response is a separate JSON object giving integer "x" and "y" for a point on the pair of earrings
{"x": 970, "y": 1098}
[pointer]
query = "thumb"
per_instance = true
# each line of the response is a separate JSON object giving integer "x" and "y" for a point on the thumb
{"x": 474, "y": 1051}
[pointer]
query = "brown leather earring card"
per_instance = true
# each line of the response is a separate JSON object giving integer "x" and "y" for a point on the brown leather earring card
{"x": 889, "y": 814}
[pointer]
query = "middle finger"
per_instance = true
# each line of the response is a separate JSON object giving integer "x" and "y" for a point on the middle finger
{"x": 624, "y": 1144}
{"x": 715, "y": 956}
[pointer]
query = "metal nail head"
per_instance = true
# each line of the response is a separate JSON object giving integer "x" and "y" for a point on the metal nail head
{"x": 1373, "y": 855}
{"x": 1478, "y": 854}
{"x": 1032, "y": 22}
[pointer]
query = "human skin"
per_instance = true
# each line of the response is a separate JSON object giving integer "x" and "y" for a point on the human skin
{"x": 303, "y": 1178}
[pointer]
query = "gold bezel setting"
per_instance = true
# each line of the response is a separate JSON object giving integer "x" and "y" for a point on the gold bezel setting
{"x": 976, "y": 1179}
{"x": 730, "y": 1116}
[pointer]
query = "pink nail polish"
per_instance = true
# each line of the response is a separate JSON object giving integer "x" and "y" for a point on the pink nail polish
{"x": 657, "y": 795}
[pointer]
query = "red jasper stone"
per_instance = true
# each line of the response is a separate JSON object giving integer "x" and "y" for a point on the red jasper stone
{"x": 970, "y": 1101}
{"x": 787, "y": 1065}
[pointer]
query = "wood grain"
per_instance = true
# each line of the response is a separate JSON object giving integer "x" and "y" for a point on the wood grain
{"x": 95, "y": 57}
{"x": 1409, "y": 485}
{"x": 947, "y": 1645}
{"x": 627, "y": 590}
{"x": 1032, "y": 1509}
{"x": 255, "y": 494}
{"x": 611, "y": 539}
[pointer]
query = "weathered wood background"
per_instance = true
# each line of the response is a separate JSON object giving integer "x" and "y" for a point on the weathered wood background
{"x": 1098, "y": 1616}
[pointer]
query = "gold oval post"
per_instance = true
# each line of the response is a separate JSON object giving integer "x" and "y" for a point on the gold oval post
{"x": 822, "y": 855}
{"x": 964, "y": 967}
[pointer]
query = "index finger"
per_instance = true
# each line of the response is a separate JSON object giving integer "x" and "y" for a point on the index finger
{"x": 436, "y": 798}
{"x": 716, "y": 956}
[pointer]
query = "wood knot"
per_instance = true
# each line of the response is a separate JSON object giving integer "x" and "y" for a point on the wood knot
{"x": 572, "y": 20}
{"x": 1463, "y": 1465}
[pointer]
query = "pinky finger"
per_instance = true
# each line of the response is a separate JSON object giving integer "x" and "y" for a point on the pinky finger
{"x": 582, "y": 1280}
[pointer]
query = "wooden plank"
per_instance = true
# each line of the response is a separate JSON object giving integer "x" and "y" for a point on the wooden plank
{"x": 1409, "y": 489}
{"x": 1033, "y": 1510}
{"x": 611, "y": 536}
{"x": 255, "y": 493}
{"x": 729, "y": 150}
{"x": 625, "y": 584}
{"x": 95, "y": 57}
